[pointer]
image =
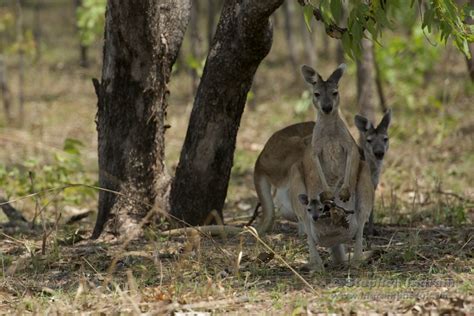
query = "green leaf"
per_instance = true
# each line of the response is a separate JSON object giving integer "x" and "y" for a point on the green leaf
{"x": 336, "y": 9}
{"x": 308, "y": 15}
{"x": 72, "y": 146}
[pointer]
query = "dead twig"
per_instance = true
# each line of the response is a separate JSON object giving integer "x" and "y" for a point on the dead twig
{"x": 255, "y": 214}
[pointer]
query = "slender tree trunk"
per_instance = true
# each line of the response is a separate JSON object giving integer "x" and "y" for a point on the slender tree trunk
{"x": 366, "y": 81}
{"x": 326, "y": 45}
{"x": 21, "y": 64}
{"x": 470, "y": 60}
{"x": 469, "y": 21}
{"x": 310, "y": 52}
{"x": 37, "y": 31}
{"x": 379, "y": 83}
{"x": 4, "y": 89}
{"x": 340, "y": 58}
{"x": 83, "y": 49}
{"x": 289, "y": 34}
{"x": 243, "y": 38}
{"x": 195, "y": 43}
{"x": 142, "y": 40}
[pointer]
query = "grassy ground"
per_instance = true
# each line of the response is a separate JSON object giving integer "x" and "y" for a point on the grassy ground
{"x": 423, "y": 257}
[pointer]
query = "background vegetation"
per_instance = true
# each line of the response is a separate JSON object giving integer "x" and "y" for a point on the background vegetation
{"x": 50, "y": 50}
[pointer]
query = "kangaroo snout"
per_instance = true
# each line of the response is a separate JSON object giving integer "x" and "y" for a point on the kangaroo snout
{"x": 315, "y": 217}
{"x": 327, "y": 109}
{"x": 379, "y": 155}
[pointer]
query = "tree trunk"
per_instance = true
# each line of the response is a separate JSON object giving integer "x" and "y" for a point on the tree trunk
{"x": 37, "y": 31}
{"x": 366, "y": 81}
{"x": 6, "y": 95}
{"x": 21, "y": 63}
{"x": 289, "y": 34}
{"x": 243, "y": 38}
{"x": 83, "y": 49}
{"x": 310, "y": 52}
{"x": 379, "y": 83}
{"x": 142, "y": 40}
{"x": 195, "y": 44}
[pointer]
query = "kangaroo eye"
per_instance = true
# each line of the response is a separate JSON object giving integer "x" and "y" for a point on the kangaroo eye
{"x": 316, "y": 94}
{"x": 369, "y": 140}
{"x": 335, "y": 93}
{"x": 385, "y": 139}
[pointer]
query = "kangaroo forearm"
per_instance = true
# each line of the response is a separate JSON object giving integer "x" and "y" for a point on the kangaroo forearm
{"x": 352, "y": 167}
{"x": 320, "y": 175}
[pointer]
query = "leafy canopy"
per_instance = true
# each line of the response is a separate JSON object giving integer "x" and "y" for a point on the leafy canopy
{"x": 443, "y": 17}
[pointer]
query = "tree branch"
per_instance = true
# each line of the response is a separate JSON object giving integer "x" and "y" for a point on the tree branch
{"x": 333, "y": 30}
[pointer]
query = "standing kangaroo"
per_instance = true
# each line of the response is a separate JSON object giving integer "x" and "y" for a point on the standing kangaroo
{"x": 374, "y": 142}
{"x": 331, "y": 148}
{"x": 281, "y": 152}
{"x": 329, "y": 231}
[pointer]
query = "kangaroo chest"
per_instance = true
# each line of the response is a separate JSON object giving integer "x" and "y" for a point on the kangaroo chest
{"x": 332, "y": 156}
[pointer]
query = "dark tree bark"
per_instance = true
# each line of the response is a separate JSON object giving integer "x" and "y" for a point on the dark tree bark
{"x": 211, "y": 21}
{"x": 243, "y": 38}
{"x": 142, "y": 40}
{"x": 366, "y": 81}
{"x": 213, "y": 7}
{"x": 289, "y": 34}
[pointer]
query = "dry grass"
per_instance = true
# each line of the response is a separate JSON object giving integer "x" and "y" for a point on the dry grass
{"x": 423, "y": 256}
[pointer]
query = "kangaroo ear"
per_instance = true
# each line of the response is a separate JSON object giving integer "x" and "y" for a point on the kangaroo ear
{"x": 362, "y": 123}
{"x": 303, "y": 198}
{"x": 337, "y": 74}
{"x": 310, "y": 75}
{"x": 383, "y": 126}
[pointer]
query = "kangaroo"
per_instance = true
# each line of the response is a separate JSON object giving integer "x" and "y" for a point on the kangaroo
{"x": 374, "y": 142}
{"x": 292, "y": 144}
{"x": 325, "y": 230}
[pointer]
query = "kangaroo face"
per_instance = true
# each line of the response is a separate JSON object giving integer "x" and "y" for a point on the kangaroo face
{"x": 375, "y": 141}
{"x": 325, "y": 93}
{"x": 314, "y": 207}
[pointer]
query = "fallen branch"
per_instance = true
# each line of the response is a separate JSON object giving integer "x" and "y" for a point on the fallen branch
{"x": 212, "y": 230}
{"x": 12, "y": 213}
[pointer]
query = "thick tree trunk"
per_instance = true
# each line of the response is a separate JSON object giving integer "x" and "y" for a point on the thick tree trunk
{"x": 142, "y": 40}
{"x": 366, "y": 81}
{"x": 243, "y": 38}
